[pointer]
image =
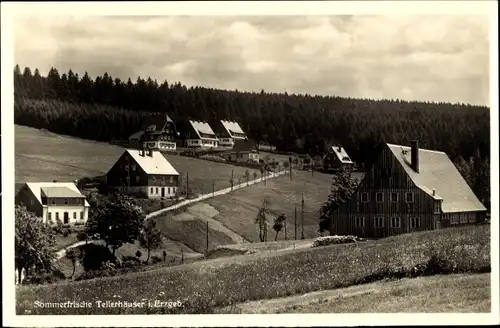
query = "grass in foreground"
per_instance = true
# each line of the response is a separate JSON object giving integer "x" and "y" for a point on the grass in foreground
{"x": 202, "y": 286}
{"x": 443, "y": 293}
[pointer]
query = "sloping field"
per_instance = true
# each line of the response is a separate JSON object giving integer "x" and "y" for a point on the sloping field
{"x": 204, "y": 285}
{"x": 44, "y": 156}
{"x": 238, "y": 209}
{"x": 231, "y": 217}
{"x": 457, "y": 293}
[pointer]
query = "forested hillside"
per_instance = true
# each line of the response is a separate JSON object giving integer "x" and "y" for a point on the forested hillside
{"x": 107, "y": 108}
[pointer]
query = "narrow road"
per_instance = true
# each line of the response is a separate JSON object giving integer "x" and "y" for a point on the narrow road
{"x": 61, "y": 253}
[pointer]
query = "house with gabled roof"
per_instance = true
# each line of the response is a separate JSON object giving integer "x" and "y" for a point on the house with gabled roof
{"x": 158, "y": 132}
{"x": 408, "y": 189}
{"x": 145, "y": 173}
{"x": 200, "y": 135}
{"x": 337, "y": 159}
{"x": 242, "y": 151}
{"x": 55, "y": 201}
{"x": 228, "y": 132}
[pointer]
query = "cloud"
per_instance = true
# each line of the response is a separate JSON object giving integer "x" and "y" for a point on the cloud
{"x": 430, "y": 58}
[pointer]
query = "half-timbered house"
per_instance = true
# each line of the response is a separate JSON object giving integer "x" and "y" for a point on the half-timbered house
{"x": 408, "y": 189}
{"x": 200, "y": 135}
{"x": 158, "y": 133}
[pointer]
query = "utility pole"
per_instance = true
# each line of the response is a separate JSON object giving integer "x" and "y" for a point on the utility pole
{"x": 295, "y": 218}
{"x": 302, "y": 234}
{"x": 232, "y": 179}
{"x": 285, "y": 229}
{"x": 290, "y": 166}
{"x": 187, "y": 184}
{"x": 207, "y": 238}
{"x": 213, "y": 187}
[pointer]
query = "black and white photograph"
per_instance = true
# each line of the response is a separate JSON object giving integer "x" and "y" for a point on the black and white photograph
{"x": 215, "y": 160}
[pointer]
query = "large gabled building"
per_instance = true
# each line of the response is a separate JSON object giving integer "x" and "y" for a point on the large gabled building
{"x": 146, "y": 173}
{"x": 54, "y": 202}
{"x": 408, "y": 189}
{"x": 199, "y": 134}
{"x": 158, "y": 133}
{"x": 228, "y": 132}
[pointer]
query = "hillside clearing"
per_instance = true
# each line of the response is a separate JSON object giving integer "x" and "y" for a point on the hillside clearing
{"x": 41, "y": 155}
{"x": 203, "y": 285}
{"x": 448, "y": 293}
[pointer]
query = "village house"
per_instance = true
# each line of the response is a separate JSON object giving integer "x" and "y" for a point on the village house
{"x": 408, "y": 189}
{"x": 54, "y": 201}
{"x": 200, "y": 135}
{"x": 337, "y": 159}
{"x": 146, "y": 173}
{"x": 242, "y": 151}
{"x": 228, "y": 132}
{"x": 158, "y": 133}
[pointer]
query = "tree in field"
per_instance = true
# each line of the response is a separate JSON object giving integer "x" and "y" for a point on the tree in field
{"x": 150, "y": 237}
{"x": 34, "y": 243}
{"x": 261, "y": 219}
{"x": 343, "y": 186}
{"x": 73, "y": 254}
{"x": 119, "y": 221}
{"x": 255, "y": 175}
{"x": 247, "y": 175}
{"x": 279, "y": 223}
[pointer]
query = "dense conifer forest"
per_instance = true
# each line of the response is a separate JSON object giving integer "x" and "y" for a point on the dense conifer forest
{"x": 107, "y": 108}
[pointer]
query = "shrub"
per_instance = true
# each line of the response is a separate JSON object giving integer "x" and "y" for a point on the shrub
{"x": 44, "y": 277}
{"x": 94, "y": 256}
{"x": 156, "y": 259}
{"x": 334, "y": 240}
{"x": 81, "y": 236}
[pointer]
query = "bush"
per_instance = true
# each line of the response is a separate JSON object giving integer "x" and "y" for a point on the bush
{"x": 335, "y": 240}
{"x": 44, "y": 277}
{"x": 95, "y": 256}
{"x": 66, "y": 232}
{"x": 156, "y": 259}
{"x": 81, "y": 236}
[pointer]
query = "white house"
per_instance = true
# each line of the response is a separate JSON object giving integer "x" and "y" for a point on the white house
{"x": 201, "y": 135}
{"x": 54, "y": 201}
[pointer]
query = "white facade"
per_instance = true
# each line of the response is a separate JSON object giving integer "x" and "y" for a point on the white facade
{"x": 71, "y": 215}
{"x": 226, "y": 142}
{"x": 152, "y": 191}
{"x": 203, "y": 143}
{"x": 160, "y": 145}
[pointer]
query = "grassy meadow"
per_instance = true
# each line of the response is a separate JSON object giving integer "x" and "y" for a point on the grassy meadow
{"x": 456, "y": 293}
{"x": 204, "y": 285}
{"x": 41, "y": 155}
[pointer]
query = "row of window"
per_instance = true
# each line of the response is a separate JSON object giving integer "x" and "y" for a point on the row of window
{"x": 394, "y": 197}
{"x": 395, "y": 222}
{"x": 463, "y": 218}
{"x": 153, "y": 179}
{"x": 158, "y": 190}
{"x": 65, "y": 216}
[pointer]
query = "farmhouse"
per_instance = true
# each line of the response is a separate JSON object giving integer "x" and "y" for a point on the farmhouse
{"x": 228, "y": 132}
{"x": 337, "y": 159}
{"x": 408, "y": 189}
{"x": 54, "y": 201}
{"x": 200, "y": 135}
{"x": 242, "y": 151}
{"x": 158, "y": 133}
{"x": 145, "y": 173}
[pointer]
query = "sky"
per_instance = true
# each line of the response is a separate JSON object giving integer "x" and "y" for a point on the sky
{"x": 426, "y": 58}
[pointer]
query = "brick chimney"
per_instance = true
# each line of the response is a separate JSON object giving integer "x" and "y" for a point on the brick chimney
{"x": 414, "y": 156}
{"x": 150, "y": 152}
{"x": 340, "y": 148}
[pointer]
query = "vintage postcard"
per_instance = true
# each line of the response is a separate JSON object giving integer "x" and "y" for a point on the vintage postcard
{"x": 306, "y": 163}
